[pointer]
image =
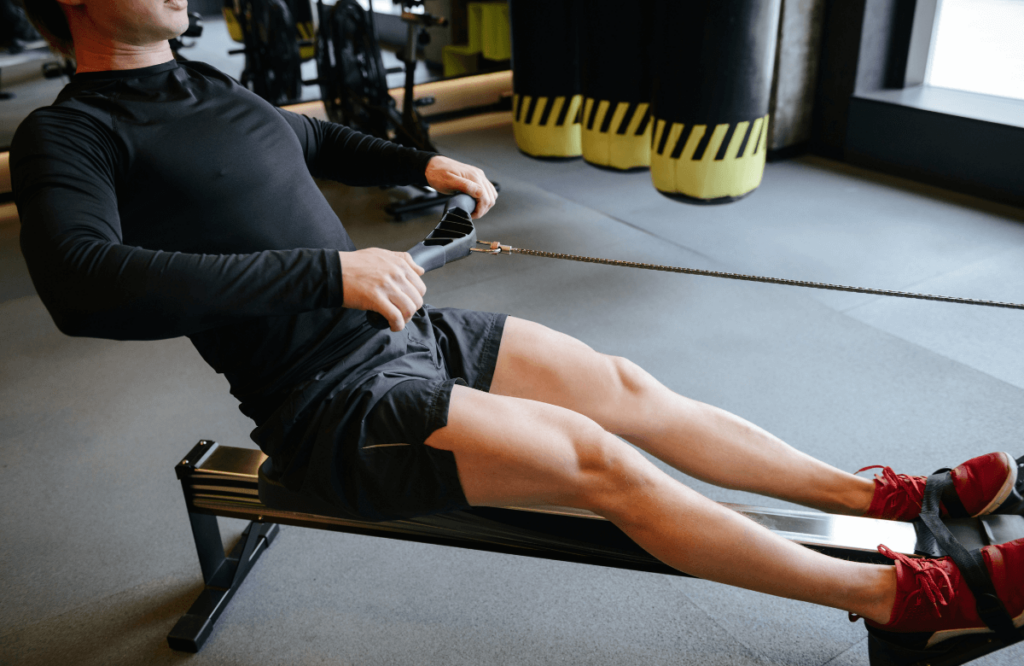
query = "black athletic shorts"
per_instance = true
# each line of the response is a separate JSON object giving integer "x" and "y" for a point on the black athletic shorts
{"x": 361, "y": 424}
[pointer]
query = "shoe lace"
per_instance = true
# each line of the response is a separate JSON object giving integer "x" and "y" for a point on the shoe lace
{"x": 932, "y": 579}
{"x": 904, "y": 491}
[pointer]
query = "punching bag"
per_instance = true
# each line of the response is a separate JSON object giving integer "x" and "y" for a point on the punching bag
{"x": 713, "y": 64}
{"x": 546, "y": 100}
{"x": 615, "y": 76}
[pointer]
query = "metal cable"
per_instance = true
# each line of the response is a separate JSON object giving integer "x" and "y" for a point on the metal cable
{"x": 756, "y": 278}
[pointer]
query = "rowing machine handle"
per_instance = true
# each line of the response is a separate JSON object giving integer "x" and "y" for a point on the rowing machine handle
{"x": 463, "y": 202}
{"x": 452, "y": 239}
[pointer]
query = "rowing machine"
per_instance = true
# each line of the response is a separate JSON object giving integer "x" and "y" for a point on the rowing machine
{"x": 225, "y": 481}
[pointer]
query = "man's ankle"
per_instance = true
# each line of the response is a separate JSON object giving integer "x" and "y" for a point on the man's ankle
{"x": 882, "y": 597}
{"x": 857, "y": 500}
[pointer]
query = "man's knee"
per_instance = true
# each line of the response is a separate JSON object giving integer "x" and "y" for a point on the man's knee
{"x": 607, "y": 470}
{"x": 631, "y": 382}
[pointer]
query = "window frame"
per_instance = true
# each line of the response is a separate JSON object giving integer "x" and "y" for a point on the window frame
{"x": 875, "y": 111}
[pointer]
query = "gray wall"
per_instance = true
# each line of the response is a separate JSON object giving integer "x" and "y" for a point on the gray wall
{"x": 796, "y": 73}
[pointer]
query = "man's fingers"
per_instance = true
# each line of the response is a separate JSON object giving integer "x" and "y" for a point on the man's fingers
{"x": 412, "y": 263}
{"x": 488, "y": 196}
{"x": 414, "y": 279}
{"x": 473, "y": 189}
{"x": 398, "y": 308}
{"x": 446, "y": 175}
{"x": 413, "y": 293}
{"x": 479, "y": 193}
{"x": 405, "y": 305}
{"x": 394, "y": 316}
{"x": 417, "y": 283}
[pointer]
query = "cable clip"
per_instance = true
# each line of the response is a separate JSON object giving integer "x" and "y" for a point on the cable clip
{"x": 493, "y": 247}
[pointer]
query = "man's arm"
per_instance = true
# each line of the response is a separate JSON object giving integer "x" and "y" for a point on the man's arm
{"x": 337, "y": 152}
{"x": 63, "y": 170}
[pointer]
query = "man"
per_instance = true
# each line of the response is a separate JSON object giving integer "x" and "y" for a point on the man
{"x": 160, "y": 199}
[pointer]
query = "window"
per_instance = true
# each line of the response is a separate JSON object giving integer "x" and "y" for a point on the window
{"x": 978, "y": 46}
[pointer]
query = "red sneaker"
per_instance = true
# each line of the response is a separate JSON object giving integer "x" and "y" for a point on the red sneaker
{"x": 933, "y": 601}
{"x": 983, "y": 484}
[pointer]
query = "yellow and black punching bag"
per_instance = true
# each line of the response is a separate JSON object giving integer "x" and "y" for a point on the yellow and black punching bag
{"x": 546, "y": 102}
{"x": 712, "y": 76}
{"x": 615, "y": 76}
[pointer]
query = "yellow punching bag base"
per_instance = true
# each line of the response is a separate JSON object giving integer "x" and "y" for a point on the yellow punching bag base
{"x": 547, "y": 127}
{"x": 708, "y": 164}
{"x": 616, "y": 135}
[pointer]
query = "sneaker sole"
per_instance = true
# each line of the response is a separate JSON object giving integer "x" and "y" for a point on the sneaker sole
{"x": 1004, "y": 492}
{"x": 940, "y": 636}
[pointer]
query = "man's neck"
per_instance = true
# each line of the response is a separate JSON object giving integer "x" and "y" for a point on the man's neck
{"x": 97, "y": 56}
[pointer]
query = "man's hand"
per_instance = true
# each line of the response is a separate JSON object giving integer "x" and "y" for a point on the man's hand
{"x": 447, "y": 176}
{"x": 382, "y": 281}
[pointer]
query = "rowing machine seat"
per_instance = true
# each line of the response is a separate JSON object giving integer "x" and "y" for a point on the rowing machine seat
{"x": 274, "y": 495}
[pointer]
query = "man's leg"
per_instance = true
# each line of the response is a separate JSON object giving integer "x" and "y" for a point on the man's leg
{"x": 513, "y": 451}
{"x": 705, "y": 442}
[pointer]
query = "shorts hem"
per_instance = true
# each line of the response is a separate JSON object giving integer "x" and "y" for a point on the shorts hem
{"x": 489, "y": 354}
{"x": 440, "y": 403}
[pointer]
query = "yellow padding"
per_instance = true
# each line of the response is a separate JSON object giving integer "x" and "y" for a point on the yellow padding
{"x": 495, "y": 34}
{"x": 458, "y": 59}
{"x": 547, "y": 127}
{"x": 475, "y": 30}
{"x": 619, "y": 138}
{"x": 234, "y": 29}
{"x": 716, "y": 173}
{"x": 307, "y": 31}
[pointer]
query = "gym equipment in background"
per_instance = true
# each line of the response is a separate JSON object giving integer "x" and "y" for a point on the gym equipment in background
{"x": 352, "y": 75}
{"x": 615, "y": 75}
{"x": 353, "y": 83}
{"x": 270, "y": 32}
{"x": 279, "y": 34}
{"x": 231, "y": 482}
{"x": 713, "y": 65}
{"x": 546, "y": 102}
{"x": 489, "y": 45}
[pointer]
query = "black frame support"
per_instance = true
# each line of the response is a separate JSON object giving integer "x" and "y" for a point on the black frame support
{"x": 223, "y": 573}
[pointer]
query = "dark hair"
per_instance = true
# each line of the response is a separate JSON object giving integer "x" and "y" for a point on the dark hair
{"x": 48, "y": 18}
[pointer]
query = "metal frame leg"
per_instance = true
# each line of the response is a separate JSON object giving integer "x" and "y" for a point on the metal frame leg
{"x": 223, "y": 575}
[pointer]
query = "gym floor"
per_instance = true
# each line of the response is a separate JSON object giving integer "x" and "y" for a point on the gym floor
{"x": 97, "y": 560}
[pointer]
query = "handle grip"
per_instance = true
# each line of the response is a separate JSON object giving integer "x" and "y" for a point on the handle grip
{"x": 450, "y": 240}
{"x": 461, "y": 201}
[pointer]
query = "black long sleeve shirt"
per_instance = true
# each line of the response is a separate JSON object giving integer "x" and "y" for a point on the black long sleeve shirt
{"x": 169, "y": 200}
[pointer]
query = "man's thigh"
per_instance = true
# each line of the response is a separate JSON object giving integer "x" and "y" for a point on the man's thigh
{"x": 517, "y": 452}
{"x": 538, "y": 363}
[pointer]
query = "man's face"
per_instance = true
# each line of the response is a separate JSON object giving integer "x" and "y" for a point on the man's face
{"x": 137, "y": 22}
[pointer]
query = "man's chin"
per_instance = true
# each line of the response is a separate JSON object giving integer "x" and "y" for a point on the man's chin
{"x": 180, "y": 26}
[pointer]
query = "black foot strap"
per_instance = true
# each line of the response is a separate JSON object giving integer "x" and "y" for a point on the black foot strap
{"x": 970, "y": 563}
{"x": 950, "y": 497}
